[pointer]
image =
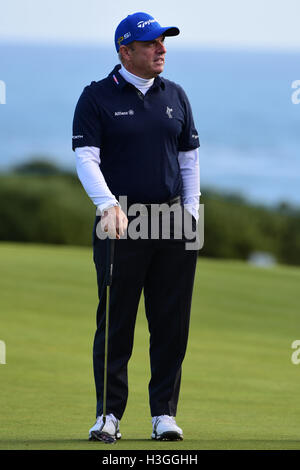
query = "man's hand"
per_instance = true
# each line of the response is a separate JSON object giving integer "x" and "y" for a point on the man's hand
{"x": 114, "y": 221}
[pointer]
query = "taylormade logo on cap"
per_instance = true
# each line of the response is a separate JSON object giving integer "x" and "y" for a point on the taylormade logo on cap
{"x": 141, "y": 27}
{"x": 141, "y": 24}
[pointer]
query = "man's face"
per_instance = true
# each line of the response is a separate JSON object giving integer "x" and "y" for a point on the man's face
{"x": 146, "y": 59}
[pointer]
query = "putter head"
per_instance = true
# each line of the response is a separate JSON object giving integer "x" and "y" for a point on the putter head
{"x": 103, "y": 437}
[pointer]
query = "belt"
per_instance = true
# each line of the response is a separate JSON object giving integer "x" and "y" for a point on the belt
{"x": 175, "y": 200}
{"x": 143, "y": 208}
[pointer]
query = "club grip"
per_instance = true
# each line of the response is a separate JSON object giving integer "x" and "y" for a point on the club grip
{"x": 110, "y": 257}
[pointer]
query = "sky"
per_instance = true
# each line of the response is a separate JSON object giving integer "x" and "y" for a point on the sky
{"x": 259, "y": 24}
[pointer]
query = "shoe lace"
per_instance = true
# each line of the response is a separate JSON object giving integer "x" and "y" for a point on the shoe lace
{"x": 169, "y": 419}
{"x": 112, "y": 418}
{"x": 109, "y": 417}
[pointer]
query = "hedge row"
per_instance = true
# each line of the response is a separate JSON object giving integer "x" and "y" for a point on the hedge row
{"x": 53, "y": 208}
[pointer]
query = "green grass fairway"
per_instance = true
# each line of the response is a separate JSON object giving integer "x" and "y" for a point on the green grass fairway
{"x": 240, "y": 389}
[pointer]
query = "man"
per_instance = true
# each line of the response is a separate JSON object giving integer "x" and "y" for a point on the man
{"x": 134, "y": 136}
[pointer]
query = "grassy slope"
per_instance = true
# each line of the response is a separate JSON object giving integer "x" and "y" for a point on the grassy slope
{"x": 239, "y": 387}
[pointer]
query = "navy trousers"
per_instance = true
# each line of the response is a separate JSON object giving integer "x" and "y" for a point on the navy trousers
{"x": 165, "y": 270}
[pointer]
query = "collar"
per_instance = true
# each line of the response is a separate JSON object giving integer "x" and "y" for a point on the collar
{"x": 138, "y": 82}
{"x": 120, "y": 82}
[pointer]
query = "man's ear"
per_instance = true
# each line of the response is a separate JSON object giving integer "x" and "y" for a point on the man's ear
{"x": 125, "y": 53}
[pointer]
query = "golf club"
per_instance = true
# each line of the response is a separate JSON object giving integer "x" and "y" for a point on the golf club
{"x": 100, "y": 435}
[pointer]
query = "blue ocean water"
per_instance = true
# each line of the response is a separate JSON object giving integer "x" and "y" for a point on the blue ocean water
{"x": 241, "y": 100}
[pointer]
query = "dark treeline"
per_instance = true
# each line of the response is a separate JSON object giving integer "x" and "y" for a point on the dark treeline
{"x": 40, "y": 203}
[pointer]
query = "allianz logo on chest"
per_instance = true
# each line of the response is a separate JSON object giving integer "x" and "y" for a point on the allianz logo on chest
{"x": 124, "y": 113}
{"x": 130, "y": 112}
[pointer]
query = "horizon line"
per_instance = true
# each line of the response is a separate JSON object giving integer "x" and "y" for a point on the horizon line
{"x": 229, "y": 47}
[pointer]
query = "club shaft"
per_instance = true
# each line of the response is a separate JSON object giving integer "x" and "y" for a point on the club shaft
{"x": 110, "y": 259}
{"x": 106, "y": 352}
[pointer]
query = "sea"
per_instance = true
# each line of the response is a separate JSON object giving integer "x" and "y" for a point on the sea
{"x": 243, "y": 104}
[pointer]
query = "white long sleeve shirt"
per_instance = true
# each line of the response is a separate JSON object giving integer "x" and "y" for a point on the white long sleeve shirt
{"x": 88, "y": 160}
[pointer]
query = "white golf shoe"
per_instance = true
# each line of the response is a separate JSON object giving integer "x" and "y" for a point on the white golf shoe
{"x": 166, "y": 429}
{"x": 111, "y": 428}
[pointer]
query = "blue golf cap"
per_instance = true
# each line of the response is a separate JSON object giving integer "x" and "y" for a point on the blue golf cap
{"x": 141, "y": 27}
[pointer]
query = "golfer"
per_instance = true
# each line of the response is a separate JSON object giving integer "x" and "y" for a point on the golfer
{"x": 134, "y": 136}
